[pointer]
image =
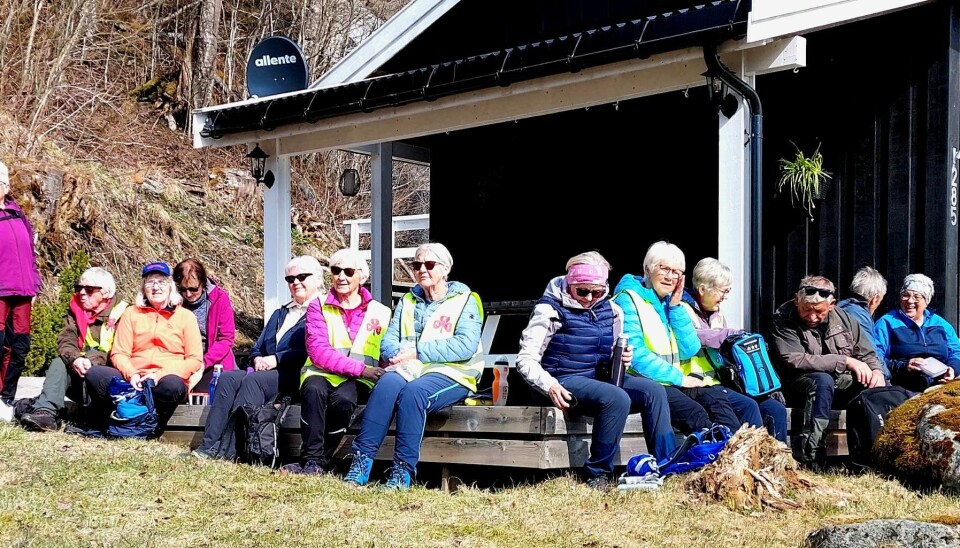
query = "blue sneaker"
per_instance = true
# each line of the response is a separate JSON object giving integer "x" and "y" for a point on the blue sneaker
{"x": 359, "y": 473}
{"x": 399, "y": 476}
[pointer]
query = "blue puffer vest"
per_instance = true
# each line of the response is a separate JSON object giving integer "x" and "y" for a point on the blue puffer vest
{"x": 585, "y": 338}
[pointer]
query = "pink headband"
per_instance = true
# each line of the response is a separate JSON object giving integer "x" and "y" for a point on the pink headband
{"x": 587, "y": 274}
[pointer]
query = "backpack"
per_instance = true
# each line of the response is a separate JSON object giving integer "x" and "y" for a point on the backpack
{"x": 697, "y": 450}
{"x": 258, "y": 432}
{"x": 134, "y": 414}
{"x": 866, "y": 415}
{"x": 745, "y": 366}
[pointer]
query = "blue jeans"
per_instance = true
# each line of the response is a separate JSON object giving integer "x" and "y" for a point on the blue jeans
{"x": 650, "y": 399}
{"x": 412, "y": 402}
{"x": 609, "y": 407}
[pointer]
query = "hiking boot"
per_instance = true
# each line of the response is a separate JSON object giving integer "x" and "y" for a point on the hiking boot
{"x": 292, "y": 468}
{"x": 359, "y": 473}
{"x": 399, "y": 477}
{"x": 201, "y": 454}
{"x": 42, "y": 420}
{"x": 600, "y": 483}
{"x": 312, "y": 468}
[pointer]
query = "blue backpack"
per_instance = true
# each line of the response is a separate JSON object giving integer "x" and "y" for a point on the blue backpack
{"x": 743, "y": 364}
{"x": 697, "y": 450}
{"x": 134, "y": 414}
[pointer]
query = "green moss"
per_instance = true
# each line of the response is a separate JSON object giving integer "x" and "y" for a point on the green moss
{"x": 897, "y": 448}
{"x": 47, "y": 318}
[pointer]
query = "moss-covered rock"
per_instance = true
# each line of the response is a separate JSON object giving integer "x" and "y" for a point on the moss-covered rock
{"x": 920, "y": 442}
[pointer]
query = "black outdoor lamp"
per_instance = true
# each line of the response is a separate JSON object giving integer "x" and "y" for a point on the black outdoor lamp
{"x": 723, "y": 101}
{"x": 258, "y": 160}
{"x": 349, "y": 182}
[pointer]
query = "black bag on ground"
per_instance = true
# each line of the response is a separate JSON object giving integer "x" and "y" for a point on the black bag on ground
{"x": 258, "y": 432}
{"x": 866, "y": 415}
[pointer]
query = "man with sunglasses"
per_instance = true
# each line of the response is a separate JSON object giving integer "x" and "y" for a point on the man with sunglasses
{"x": 85, "y": 341}
{"x": 824, "y": 358}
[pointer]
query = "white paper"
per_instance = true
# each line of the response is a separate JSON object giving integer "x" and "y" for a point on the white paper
{"x": 933, "y": 367}
{"x": 409, "y": 370}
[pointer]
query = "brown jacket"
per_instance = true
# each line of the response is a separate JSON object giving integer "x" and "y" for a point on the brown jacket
{"x": 797, "y": 349}
{"x": 67, "y": 340}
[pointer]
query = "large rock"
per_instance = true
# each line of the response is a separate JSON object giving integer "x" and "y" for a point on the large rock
{"x": 889, "y": 533}
{"x": 920, "y": 442}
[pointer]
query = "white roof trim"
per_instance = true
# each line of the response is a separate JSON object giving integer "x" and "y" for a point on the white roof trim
{"x": 775, "y": 18}
{"x": 385, "y": 42}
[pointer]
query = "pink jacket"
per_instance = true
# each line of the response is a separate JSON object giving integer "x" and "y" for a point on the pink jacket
{"x": 321, "y": 353}
{"x": 221, "y": 330}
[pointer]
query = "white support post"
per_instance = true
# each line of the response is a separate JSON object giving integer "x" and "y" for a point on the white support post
{"x": 733, "y": 215}
{"x": 277, "y": 242}
{"x": 381, "y": 230}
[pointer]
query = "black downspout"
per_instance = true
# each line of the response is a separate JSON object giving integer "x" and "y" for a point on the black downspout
{"x": 716, "y": 69}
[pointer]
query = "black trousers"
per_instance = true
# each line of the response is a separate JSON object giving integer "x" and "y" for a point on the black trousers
{"x": 169, "y": 392}
{"x": 325, "y": 413}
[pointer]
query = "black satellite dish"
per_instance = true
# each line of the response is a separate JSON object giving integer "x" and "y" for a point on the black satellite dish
{"x": 276, "y": 65}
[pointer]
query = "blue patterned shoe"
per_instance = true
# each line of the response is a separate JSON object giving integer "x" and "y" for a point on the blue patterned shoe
{"x": 359, "y": 473}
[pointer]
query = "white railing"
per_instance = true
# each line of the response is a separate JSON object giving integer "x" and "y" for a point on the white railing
{"x": 357, "y": 227}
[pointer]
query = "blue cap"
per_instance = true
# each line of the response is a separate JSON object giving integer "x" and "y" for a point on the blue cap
{"x": 158, "y": 266}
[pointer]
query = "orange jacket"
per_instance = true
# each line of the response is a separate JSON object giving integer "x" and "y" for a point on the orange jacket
{"x": 165, "y": 342}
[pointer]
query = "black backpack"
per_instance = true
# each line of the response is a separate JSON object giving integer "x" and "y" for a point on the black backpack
{"x": 866, "y": 415}
{"x": 258, "y": 432}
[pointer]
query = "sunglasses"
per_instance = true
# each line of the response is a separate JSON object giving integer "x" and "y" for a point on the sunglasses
{"x": 299, "y": 277}
{"x": 88, "y": 289}
{"x": 184, "y": 289}
{"x": 583, "y": 292}
{"x": 809, "y": 291}
{"x": 429, "y": 264}
{"x": 336, "y": 270}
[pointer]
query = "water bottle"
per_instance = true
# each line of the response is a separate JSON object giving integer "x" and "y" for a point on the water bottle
{"x": 617, "y": 368}
{"x": 217, "y": 369}
{"x": 501, "y": 368}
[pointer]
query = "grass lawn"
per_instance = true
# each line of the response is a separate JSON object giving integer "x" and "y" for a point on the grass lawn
{"x": 60, "y": 490}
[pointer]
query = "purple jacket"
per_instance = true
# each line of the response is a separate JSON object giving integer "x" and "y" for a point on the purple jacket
{"x": 221, "y": 330}
{"x": 321, "y": 353}
{"x": 18, "y": 264}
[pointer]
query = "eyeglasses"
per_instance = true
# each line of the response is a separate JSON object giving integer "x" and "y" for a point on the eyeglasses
{"x": 583, "y": 292}
{"x": 155, "y": 283}
{"x": 336, "y": 270}
{"x": 88, "y": 289}
{"x": 667, "y": 271}
{"x": 809, "y": 291}
{"x": 722, "y": 292}
{"x": 912, "y": 297}
{"x": 299, "y": 277}
{"x": 429, "y": 264}
{"x": 183, "y": 289}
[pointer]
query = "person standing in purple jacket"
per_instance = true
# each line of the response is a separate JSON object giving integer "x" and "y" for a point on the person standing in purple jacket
{"x": 19, "y": 284}
{"x": 214, "y": 311}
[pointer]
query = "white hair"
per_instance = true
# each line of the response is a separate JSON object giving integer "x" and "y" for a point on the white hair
{"x": 351, "y": 258}
{"x": 99, "y": 277}
{"x": 661, "y": 252}
{"x": 711, "y": 274}
{"x": 304, "y": 263}
{"x": 589, "y": 257}
{"x": 439, "y": 251}
{"x": 869, "y": 283}
{"x": 173, "y": 300}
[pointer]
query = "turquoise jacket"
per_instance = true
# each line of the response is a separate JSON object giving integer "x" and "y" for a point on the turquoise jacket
{"x": 677, "y": 319}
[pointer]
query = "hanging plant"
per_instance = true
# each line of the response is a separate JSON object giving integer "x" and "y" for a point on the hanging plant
{"x": 804, "y": 178}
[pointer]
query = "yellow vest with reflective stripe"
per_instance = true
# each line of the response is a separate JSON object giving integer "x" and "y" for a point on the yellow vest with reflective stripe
{"x": 107, "y": 331}
{"x": 656, "y": 337}
{"x": 441, "y": 325}
{"x": 700, "y": 363}
{"x": 365, "y": 347}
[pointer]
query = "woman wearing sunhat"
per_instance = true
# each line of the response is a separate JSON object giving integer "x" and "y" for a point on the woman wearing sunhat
{"x": 156, "y": 339}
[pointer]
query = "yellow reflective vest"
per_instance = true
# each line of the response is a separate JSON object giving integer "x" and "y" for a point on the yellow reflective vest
{"x": 656, "y": 337}
{"x": 107, "y": 331}
{"x": 365, "y": 347}
{"x": 442, "y": 324}
{"x": 700, "y": 363}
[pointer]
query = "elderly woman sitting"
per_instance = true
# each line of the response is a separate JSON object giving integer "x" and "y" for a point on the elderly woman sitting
{"x": 85, "y": 341}
{"x": 277, "y": 357}
{"x": 343, "y": 341}
{"x": 156, "y": 339}
{"x": 907, "y": 335}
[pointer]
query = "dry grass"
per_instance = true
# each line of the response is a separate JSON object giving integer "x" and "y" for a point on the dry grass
{"x": 58, "y": 490}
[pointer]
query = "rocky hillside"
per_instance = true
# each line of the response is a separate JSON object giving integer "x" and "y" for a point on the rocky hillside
{"x": 94, "y": 95}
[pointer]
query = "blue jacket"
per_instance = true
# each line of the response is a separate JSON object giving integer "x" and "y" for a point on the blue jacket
{"x": 677, "y": 319}
{"x": 291, "y": 351}
{"x": 466, "y": 336}
{"x": 898, "y": 338}
{"x": 582, "y": 341}
{"x": 857, "y": 309}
